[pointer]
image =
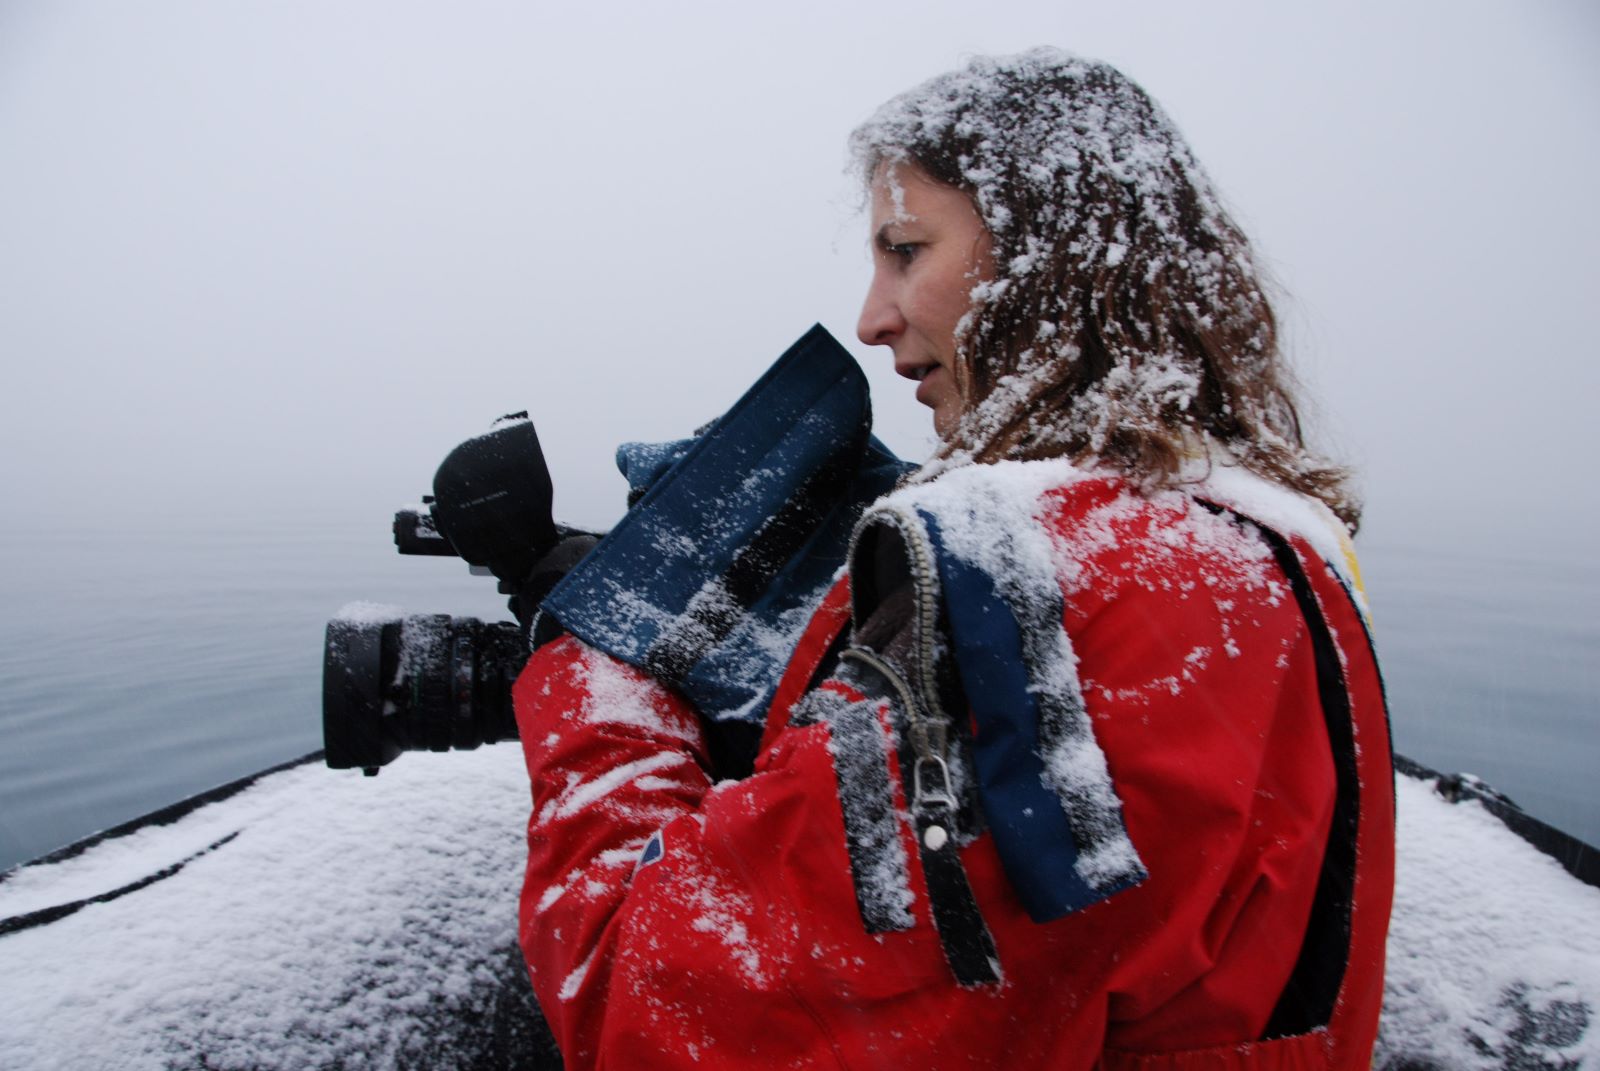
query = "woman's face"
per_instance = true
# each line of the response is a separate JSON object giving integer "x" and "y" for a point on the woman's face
{"x": 929, "y": 249}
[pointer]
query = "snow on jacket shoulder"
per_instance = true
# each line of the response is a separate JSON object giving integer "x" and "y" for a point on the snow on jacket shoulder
{"x": 672, "y": 922}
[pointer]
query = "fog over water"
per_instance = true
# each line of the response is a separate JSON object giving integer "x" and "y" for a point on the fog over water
{"x": 261, "y": 265}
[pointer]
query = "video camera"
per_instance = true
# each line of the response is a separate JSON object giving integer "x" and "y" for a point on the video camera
{"x": 393, "y": 683}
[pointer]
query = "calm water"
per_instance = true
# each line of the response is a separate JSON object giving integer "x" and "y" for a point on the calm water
{"x": 139, "y": 669}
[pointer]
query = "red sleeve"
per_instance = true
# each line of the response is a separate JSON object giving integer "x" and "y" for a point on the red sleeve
{"x": 737, "y": 941}
{"x": 654, "y": 959}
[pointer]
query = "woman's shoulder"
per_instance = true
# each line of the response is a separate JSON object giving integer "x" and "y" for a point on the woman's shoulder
{"x": 1098, "y": 531}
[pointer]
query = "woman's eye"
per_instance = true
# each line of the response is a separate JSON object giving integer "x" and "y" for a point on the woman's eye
{"x": 900, "y": 254}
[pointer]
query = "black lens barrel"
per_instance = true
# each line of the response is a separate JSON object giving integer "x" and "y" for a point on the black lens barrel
{"x": 422, "y": 682}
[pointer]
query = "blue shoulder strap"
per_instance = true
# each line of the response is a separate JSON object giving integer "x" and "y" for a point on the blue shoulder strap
{"x": 1043, "y": 829}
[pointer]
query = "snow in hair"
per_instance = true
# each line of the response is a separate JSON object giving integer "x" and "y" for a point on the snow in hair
{"x": 1032, "y": 128}
{"x": 1125, "y": 321}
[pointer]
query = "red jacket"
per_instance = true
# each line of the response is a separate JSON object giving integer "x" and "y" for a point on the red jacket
{"x": 672, "y": 922}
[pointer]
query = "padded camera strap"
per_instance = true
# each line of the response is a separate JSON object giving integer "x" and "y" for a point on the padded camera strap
{"x": 740, "y": 531}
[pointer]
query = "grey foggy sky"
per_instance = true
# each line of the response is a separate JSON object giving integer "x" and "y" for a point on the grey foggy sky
{"x": 281, "y": 256}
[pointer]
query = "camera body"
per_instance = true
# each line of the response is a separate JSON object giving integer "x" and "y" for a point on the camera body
{"x": 394, "y": 682}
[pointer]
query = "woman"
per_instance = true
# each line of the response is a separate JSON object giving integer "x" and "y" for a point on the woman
{"x": 1066, "y": 772}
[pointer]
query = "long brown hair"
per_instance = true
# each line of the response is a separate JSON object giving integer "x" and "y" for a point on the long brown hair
{"x": 1126, "y": 321}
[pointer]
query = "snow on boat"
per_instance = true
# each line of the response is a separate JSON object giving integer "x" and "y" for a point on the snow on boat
{"x": 308, "y": 919}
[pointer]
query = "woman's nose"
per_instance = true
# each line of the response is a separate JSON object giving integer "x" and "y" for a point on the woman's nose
{"x": 880, "y": 322}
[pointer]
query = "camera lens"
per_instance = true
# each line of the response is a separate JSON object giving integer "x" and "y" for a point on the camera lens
{"x": 393, "y": 683}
